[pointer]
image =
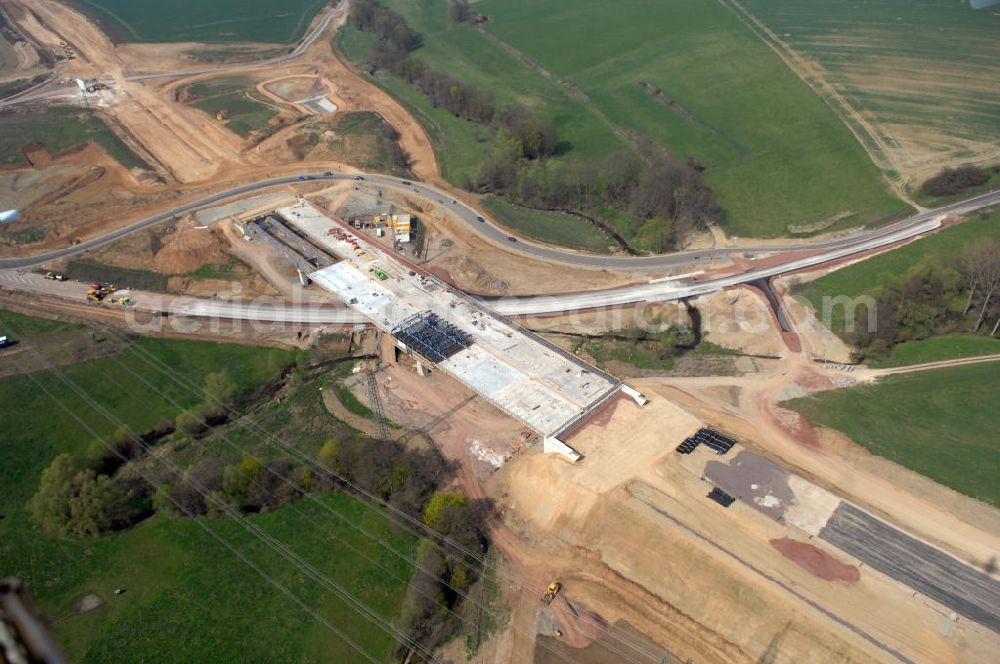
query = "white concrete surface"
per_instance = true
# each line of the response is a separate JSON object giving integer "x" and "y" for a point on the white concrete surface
{"x": 540, "y": 385}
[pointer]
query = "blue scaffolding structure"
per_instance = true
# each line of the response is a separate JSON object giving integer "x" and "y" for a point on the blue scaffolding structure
{"x": 431, "y": 337}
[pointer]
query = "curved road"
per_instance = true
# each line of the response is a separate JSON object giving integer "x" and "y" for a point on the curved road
{"x": 656, "y": 291}
{"x": 471, "y": 217}
{"x": 24, "y": 97}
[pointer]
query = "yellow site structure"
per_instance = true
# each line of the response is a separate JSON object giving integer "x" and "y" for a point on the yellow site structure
{"x": 400, "y": 224}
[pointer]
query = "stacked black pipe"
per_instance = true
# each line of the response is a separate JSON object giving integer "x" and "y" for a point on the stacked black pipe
{"x": 717, "y": 442}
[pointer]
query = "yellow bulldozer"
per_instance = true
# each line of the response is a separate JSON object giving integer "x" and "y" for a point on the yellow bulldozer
{"x": 551, "y": 592}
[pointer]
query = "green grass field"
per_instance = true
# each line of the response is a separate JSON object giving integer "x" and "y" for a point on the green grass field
{"x": 39, "y": 429}
{"x": 868, "y": 275}
{"x": 458, "y": 145}
{"x": 244, "y": 114}
{"x": 188, "y": 598}
{"x": 192, "y": 20}
{"x": 371, "y": 129}
{"x": 640, "y": 356}
{"x": 60, "y": 129}
{"x": 778, "y": 157}
{"x": 938, "y": 423}
{"x": 551, "y": 227}
{"x": 920, "y": 71}
{"x": 934, "y": 349}
{"x": 351, "y": 402}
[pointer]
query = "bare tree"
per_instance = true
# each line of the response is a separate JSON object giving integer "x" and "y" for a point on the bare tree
{"x": 990, "y": 279}
{"x": 975, "y": 260}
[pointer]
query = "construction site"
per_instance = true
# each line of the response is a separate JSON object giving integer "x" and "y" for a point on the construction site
{"x": 637, "y": 457}
{"x": 642, "y": 507}
{"x": 535, "y": 382}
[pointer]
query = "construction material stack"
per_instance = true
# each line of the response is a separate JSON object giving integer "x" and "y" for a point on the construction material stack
{"x": 710, "y": 438}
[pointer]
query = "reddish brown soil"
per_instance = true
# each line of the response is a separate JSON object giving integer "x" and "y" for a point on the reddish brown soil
{"x": 600, "y": 417}
{"x": 816, "y": 561}
{"x": 790, "y": 339}
{"x": 796, "y": 426}
{"x": 37, "y": 155}
{"x": 441, "y": 274}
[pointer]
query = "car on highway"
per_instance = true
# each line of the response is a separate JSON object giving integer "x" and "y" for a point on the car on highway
{"x": 407, "y": 182}
{"x": 328, "y": 174}
{"x": 358, "y": 177}
{"x": 480, "y": 219}
{"x": 512, "y": 238}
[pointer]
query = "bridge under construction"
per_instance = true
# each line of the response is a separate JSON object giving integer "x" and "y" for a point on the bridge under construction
{"x": 545, "y": 387}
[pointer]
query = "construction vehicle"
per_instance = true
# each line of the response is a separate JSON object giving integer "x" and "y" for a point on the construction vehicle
{"x": 551, "y": 592}
{"x": 557, "y": 634}
{"x": 98, "y": 292}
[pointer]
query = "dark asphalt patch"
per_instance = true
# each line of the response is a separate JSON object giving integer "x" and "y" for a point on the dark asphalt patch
{"x": 756, "y": 480}
{"x": 929, "y": 571}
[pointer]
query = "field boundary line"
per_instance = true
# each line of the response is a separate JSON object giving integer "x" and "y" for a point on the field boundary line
{"x": 865, "y": 131}
{"x": 568, "y": 88}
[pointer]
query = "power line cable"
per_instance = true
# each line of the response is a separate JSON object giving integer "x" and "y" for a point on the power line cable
{"x": 232, "y": 548}
{"x": 374, "y": 538}
{"x": 359, "y": 606}
{"x": 417, "y": 524}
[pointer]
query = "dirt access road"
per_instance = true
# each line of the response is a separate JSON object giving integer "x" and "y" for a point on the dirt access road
{"x": 184, "y": 143}
{"x": 929, "y": 366}
{"x": 180, "y": 143}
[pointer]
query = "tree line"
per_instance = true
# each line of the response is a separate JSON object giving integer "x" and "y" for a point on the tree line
{"x": 951, "y": 181}
{"x": 115, "y": 484}
{"x": 663, "y": 196}
{"x": 392, "y": 53}
{"x": 933, "y": 299}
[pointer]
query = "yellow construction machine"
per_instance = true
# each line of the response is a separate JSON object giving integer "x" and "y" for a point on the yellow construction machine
{"x": 551, "y": 592}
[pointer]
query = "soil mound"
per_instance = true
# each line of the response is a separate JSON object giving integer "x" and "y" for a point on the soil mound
{"x": 816, "y": 561}
{"x": 188, "y": 249}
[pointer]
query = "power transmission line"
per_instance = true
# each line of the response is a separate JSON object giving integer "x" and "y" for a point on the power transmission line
{"x": 233, "y": 549}
{"x": 416, "y": 526}
{"x": 410, "y": 559}
{"x": 335, "y": 588}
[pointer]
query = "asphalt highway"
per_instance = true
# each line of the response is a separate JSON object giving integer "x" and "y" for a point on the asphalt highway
{"x": 477, "y": 222}
{"x": 470, "y": 216}
{"x": 12, "y": 274}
